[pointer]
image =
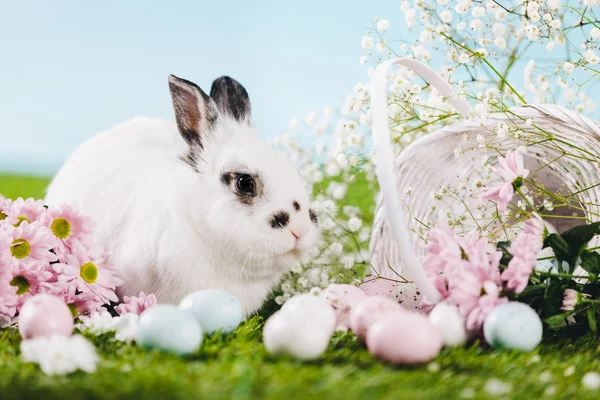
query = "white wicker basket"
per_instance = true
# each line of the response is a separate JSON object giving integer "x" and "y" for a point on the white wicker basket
{"x": 563, "y": 151}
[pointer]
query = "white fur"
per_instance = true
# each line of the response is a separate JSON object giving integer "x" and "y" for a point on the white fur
{"x": 171, "y": 230}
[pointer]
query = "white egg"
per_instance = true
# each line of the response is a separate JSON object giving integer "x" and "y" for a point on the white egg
{"x": 313, "y": 309}
{"x": 296, "y": 335}
{"x": 446, "y": 318}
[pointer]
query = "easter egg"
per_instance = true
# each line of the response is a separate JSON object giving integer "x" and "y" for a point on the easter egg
{"x": 449, "y": 323}
{"x": 45, "y": 315}
{"x": 513, "y": 325}
{"x": 342, "y": 298}
{"x": 368, "y": 311}
{"x": 215, "y": 310}
{"x": 169, "y": 328}
{"x": 404, "y": 338}
{"x": 296, "y": 335}
{"x": 406, "y": 294}
{"x": 311, "y": 308}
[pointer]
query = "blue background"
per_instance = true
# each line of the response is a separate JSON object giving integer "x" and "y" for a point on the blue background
{"x": 70, "y": 69}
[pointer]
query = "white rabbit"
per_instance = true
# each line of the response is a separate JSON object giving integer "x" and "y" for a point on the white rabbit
{"x": 200, "y": 203}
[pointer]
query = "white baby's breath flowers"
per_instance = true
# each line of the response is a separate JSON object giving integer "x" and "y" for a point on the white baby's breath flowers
{"x": 311, "y": 118}
{"x": 568, "y": 67}
{"x": 446, "y": 16}
{"x": 500, "y": 42}
{"x": 60, "y": 355}
{"x": 476, "y": 25}
{"x": 354, "y": 224}
{"x": 383, "y": 25}
{"x": 367, "y": 42}
{"x": 591, "y": 57}
{"x": 122, "y": 326}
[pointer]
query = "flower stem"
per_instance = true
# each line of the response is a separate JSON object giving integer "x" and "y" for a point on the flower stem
{"x": 479, "y": 56}
{"x": 525, "y": 199}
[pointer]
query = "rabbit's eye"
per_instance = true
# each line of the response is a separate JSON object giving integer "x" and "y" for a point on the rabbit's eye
{"x": 245, "y": 184}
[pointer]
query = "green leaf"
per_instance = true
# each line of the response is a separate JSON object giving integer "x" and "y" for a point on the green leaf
{"x": 591, "y": 315}
{"x": 577, "y": 238}
{"x": 559, "y": 246}
{"x": 557, "y": 321}
{"x": 553, "y": 297}
{"x": 590, "y": 261}
{"x": 506, "y": 256}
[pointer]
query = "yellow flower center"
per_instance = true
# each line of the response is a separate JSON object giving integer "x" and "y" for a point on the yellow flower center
{"x": 21, "y": 218}
{"x": 20, "y": 248}
{"x": 2, "y": 216}
{"x": 21, "y": 283}
{"x": 89, "y": 272}
{"x": 61, "y": 228}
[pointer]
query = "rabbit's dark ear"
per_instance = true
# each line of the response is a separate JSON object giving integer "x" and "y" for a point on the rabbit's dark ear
{"x": 231, "y": 98}
{"x": 195, "y": 112}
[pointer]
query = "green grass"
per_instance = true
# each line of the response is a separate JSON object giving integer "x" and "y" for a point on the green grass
{"x": 237, "y": 366}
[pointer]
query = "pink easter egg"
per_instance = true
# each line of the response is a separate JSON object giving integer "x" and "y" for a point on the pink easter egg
{"x": 45, "y": 315}
{"x": 342, "y": 298}
{"x": 404, "y": 338}
{"x": 407, "y": 295}
{"x": 368, "y": 311}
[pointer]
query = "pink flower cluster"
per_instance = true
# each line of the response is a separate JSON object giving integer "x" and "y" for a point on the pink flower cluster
{"x": 136, "y": 305}
{"x": 524, "y": 251}
{"x": 512, "y": 170}
{"x": 467, "y": 271}
{"x": 49, "y": 250}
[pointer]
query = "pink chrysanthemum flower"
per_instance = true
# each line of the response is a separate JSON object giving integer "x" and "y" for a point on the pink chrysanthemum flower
{"x": 8, "y": 301}
{"x": 21, "y": 210}
{"x": 26, "y": 280}
{"x": 77, "y": 301}
{"x": 30, "y": 242}
{"x": 4, "y": 205}
{"x": 136, "y": 305}
{"x": 68, "y": 226}
{"x": 5, "y": 256}
{"x": 466, "y": 281}
{"x": 524, "y": 250}
{"x": 467, "y": 271}
{"x": 570, "y": 300}
{"x": 512, "y": 171}
{"x": 88, "y": 271}
{"x": 443, "y": 250}
{"x": 485, "y": 303}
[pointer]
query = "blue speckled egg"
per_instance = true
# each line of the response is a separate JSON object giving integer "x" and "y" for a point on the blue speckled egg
{"x": 169, "y": 328}
{"x": 513, "y": 325}
{"x": 215, "y": 310}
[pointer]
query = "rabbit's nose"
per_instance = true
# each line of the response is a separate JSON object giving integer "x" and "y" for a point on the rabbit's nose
{"x": 298, "y": 234}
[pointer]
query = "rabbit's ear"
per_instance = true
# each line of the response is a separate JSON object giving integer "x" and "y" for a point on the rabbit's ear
{"x": 231, "y": 98}
{"x": 195, "y": 112}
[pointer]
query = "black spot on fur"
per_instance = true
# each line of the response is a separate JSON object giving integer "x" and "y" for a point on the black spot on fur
{"x": 226, "y": 179}
{"x": 191, "y": 158}
{"x": 296, "y": 206}
{"x": 313, "y": 216}
{"x": 231, "y": 98}
{"x": 280, "y": 220}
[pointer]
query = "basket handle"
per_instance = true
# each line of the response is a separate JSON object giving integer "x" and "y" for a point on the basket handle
{"x": 385, "y": 165}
